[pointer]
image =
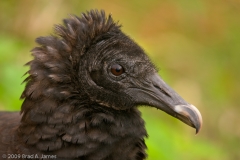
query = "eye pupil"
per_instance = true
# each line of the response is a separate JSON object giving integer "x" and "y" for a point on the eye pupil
{"x": 117, "y": 69}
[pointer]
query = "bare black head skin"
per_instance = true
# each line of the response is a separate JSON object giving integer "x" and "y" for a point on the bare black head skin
{"x": 84, "y": 86}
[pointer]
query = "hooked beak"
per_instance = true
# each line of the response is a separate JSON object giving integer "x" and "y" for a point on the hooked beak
{"x": 156, "y": 93}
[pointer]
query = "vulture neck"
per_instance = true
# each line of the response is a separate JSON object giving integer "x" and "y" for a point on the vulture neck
{"x": 77, "y": 129}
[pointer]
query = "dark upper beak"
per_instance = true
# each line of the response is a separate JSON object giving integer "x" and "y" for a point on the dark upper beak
{"x": 155, "y": 92}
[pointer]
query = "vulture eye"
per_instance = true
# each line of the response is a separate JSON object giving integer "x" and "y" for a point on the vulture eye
{"x": 117, "y": 69}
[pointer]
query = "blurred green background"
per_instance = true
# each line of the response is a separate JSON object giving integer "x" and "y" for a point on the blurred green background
{"x": 196, "y": 45}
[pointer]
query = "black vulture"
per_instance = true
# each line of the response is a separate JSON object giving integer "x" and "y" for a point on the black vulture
{"x": 82, "y": 94}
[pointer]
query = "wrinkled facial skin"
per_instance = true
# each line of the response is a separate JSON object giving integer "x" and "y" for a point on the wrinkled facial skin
{"x": 134, "y": 72}
{"x": 127, "y": 72}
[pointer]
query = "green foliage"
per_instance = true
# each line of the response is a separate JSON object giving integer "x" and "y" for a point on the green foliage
{"x": 10, "y": 73}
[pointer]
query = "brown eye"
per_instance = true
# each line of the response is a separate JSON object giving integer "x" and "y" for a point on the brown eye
{"x": 117, "y": 69}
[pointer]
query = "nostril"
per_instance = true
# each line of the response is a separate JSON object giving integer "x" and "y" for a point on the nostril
{"x": 162, "y": 90}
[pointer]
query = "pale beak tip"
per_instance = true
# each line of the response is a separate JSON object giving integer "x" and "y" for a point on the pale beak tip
{"x": 199, "y": 124}
{"x": 190, "y": 115}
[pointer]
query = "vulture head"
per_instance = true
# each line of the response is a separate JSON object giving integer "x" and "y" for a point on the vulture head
{"x": 84, "y": 86}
